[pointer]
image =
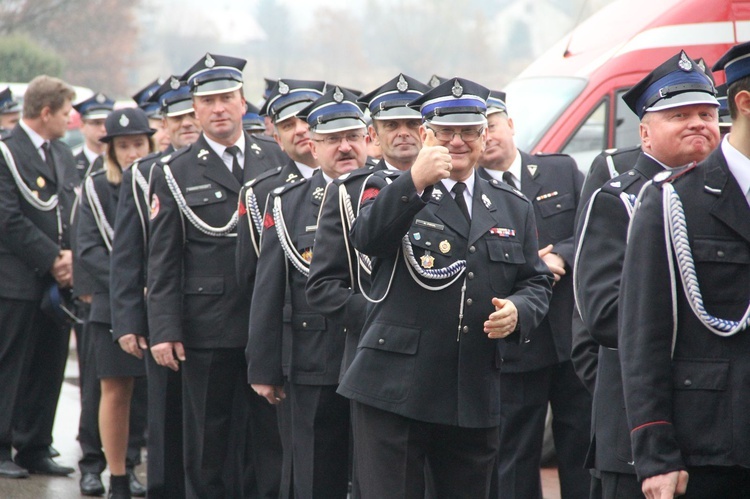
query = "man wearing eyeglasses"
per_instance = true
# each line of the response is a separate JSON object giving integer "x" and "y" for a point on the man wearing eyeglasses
{"x": 455, "y": 267}
{"x": 319, "y": 416}
{"x": 539, "y": 372}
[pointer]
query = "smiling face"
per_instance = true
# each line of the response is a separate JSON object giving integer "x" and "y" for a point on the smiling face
{"x": 501, "y": 149}
{"x": 182, "y": 130}
{"x": 220, "y": 115}
{"x": 681, "y": 135}
{"x": 340, "y": 152}
{"x": 398, "y": 139}
{"x": 464, "y": 155}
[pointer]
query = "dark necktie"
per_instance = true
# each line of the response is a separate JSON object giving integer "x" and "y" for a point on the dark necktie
{"x": 508, "y": 179}
{"x": 48, "y": 159}
{"x": 458, "y": 191}
{"x": 236, "y": 168}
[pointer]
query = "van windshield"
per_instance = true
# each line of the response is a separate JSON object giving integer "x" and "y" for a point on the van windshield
{"x": 535, "y": 104}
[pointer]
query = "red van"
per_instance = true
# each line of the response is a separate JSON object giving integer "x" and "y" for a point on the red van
{"x": 569, "y": 99}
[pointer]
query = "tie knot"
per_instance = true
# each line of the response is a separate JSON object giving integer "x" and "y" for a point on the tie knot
{"x": 459, "y": 188}
{"x": 508, "y": 178}
{"x": 45, "y": 146}
{"x": 233, "y": 150}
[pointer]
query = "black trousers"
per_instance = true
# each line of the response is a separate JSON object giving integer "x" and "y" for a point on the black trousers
{"x": 620, "y": 486}
{"x": 320, "y": 437}
{"x": 284, "y": 417}
{"x": 214, "y": 386}
{"x": 166, "y": 477}
{"x": 92, "y": 456}
{"x": 16, "y": 328}
{"x": 392, "y": 451}
{"x": 730, "y": 482}
{"x": 40, "y": 386}
{"x": 523, "y": 406}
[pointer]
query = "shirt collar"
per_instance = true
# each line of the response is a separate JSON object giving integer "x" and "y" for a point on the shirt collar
{"x": 448, "y": 183}
{"x": 220, "y": 148}
{"x": 738, "y": 164}
{"x": 304, "y": 170}
{"x": 514, "y": 169}
{"x": 90, "y": 155}
{"x": 36, "y": 139}
{"x": 389, "y": 166}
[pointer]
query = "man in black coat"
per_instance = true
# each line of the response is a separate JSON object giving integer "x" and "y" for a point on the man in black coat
{"x": 683, "y": 317}
{"x": 602, "y": 235}
{"x": 450, "y": 277}
{"x": 197, "y": 316}
{"x": 36, "y": 196}
{"x": 539, "y": 372}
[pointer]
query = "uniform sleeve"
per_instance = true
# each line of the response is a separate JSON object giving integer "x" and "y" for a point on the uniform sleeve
{"x": 386, "y": 214}
{"x": 27, "y": 242}
{"x": 533, "y": 287}
{"x": 565, "y": 248}
{"x": 329, "y": 288}
{"x": 645, "y": 340}
{"x": 584, "y": 353}
{"x": 127, "y": 300}
{"x": 165, "y": 261}
{"x": 263, "y": 352}
{"x": 91, "y": 251}
{"x": 602, "y": 242}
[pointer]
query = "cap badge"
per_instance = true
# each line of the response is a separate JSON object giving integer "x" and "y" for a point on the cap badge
{"x": 338, "y": 95}
{"x": 434, "y": 81}
{"x": 685, "y": 63}
{"x": 402, "y": 85}
{"x": 283, "y": 88}
{"x": 124, "y": 121}
{"x": 457, "y": 89}
{"x": 174, "y": 83}
{"x": 100, "y": 98}
{"x": 210, "y": 62}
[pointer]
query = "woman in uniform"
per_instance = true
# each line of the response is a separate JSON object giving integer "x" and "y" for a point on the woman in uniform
{"x": 128, "y": 138}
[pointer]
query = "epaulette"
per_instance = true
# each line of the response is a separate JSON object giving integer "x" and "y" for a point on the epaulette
{"x": 359, "y": 172}
{"x": 672, "y": 174}
{"x": 266, "y": 174}
{"x": 288, "y": 187}
{"x": 497, "y": 184}
{"x": 264, "y": 138}
{"x": 101, "y": 171}
{"x": 621, "y": 182}
{"x": 551, "y": 154}
{"x": 616, "y": 151}
{"x": 176, "y": 154}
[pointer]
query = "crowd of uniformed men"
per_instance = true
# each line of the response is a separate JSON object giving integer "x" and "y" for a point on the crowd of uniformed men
{"x": 378, "y": 300}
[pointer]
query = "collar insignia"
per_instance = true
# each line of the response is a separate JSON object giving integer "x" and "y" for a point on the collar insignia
{"x": 203, "y": 154}
{"x": 532, "y": 169}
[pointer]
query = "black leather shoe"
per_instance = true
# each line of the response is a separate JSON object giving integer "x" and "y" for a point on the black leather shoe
{"x": 91, "y": 484}
{"x": 45, "y": 466}
{"x": 53, "y": 452}
{"x": 9, "y": 469}
{"x": 136, "y": 487}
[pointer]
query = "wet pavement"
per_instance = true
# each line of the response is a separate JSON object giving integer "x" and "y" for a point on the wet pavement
{"x": 65, "y": 431}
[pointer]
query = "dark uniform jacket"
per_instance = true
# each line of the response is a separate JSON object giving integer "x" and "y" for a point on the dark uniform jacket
{"x": 97, "y": 210}
{"x": 333, "y": 287}
{"x": 83, "y": 282}
{"x": 602, "y": 236}
{"x": 193, "y": 295}
{"x": 553, "y": 188}
{"x": 30, "y": 238}
{"x": 687, "y": 405}
{"x": 424, "y": 354}
{"x": 84, "y": 167}
{"x": 317, "y": 342}
{"x": 130, "y": 248}
{"x": 606, "y": 166}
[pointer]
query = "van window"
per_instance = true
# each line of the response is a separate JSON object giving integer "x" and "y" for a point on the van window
{"x": 536, "y": 103}
{"x": 626, "y": 123}
{"x": 590, "y": 138}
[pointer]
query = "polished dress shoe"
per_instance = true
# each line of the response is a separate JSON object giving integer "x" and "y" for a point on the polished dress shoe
{"x": 91, "y": 484}
{"x": 53, "y": 452}
{"x": 45, "y": 466}
{"x": 136, "y": 487}
{"x": 9, "y": 469}
{"x": 119, "y": 487}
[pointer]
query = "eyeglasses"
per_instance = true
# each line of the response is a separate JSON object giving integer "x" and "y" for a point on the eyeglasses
{"x": 446, "y": 135}
{"x": 335, "y": 140}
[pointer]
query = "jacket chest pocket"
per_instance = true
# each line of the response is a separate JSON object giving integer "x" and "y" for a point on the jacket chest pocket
{"x": 434, "y": 248}
{"x": 305, "y": 242}
{"x": 505, "y": 256}
{"x": 725, "y": 262}
{"x": 205, "y": 197}
{"x": 557, "y": 217}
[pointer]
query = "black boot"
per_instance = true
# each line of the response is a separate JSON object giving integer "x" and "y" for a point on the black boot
{"x": 119, "y": 487}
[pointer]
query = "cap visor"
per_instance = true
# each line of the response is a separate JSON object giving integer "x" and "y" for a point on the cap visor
{"x": 684, "y": 99}
{"x": 217, "y": 87}
{"x": 459, "y": 119}
{"x": 341, "y": 125}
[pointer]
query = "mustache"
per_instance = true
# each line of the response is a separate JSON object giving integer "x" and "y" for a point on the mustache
{"x": 345, "y": 156}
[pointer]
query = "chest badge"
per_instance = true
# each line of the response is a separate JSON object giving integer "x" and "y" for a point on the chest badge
{"x": 502, "y": 232}
{"x": 444, "y": 246}
{"x": 40, "y": 182}
{"x": 307, "y": 255}
{"x": 427, "y": 261}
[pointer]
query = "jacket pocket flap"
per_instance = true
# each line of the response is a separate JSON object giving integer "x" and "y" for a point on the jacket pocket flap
{"x": 700, "y": 374}
{"x": 204, "y": 285}
{"x": 505, "y": 251}
{"x": 201, "y": 198}
{"x": 305, "y": 241}
{"x": 392, "y": 338}
{"x": 721, "y": 250}
{"x": 311, "y": 322}
{"x": 555, "y": 205}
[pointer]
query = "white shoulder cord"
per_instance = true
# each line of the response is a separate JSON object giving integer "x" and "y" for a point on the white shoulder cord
{"x": 199, "y": 224}
{"x": 611, "y": 166}
{"x": 139, "y": 182}
{"x": 105, "y": 229}
{"x": 676, "y": 232}
{"x": 254, "y": 218}
{"x": 287, "y": 245}
{"x": 27, "y": 194}
{"x": 585, "y": 226}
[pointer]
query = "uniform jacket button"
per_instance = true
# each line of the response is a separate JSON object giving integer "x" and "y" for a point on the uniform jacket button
{"x": 469, "y": 301}
{"x": 405, "y": 199}
{"x": 200, "y": 289}
{"x": 720, "y": 254}
{"x": 470, "y": 275}
{"x": 472, "y": 249}
{"x": 381, "y": 341}
{"x": 304, "y": 324}
{"x": 465, "y": 329}
{"x": 687, "y": 382}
